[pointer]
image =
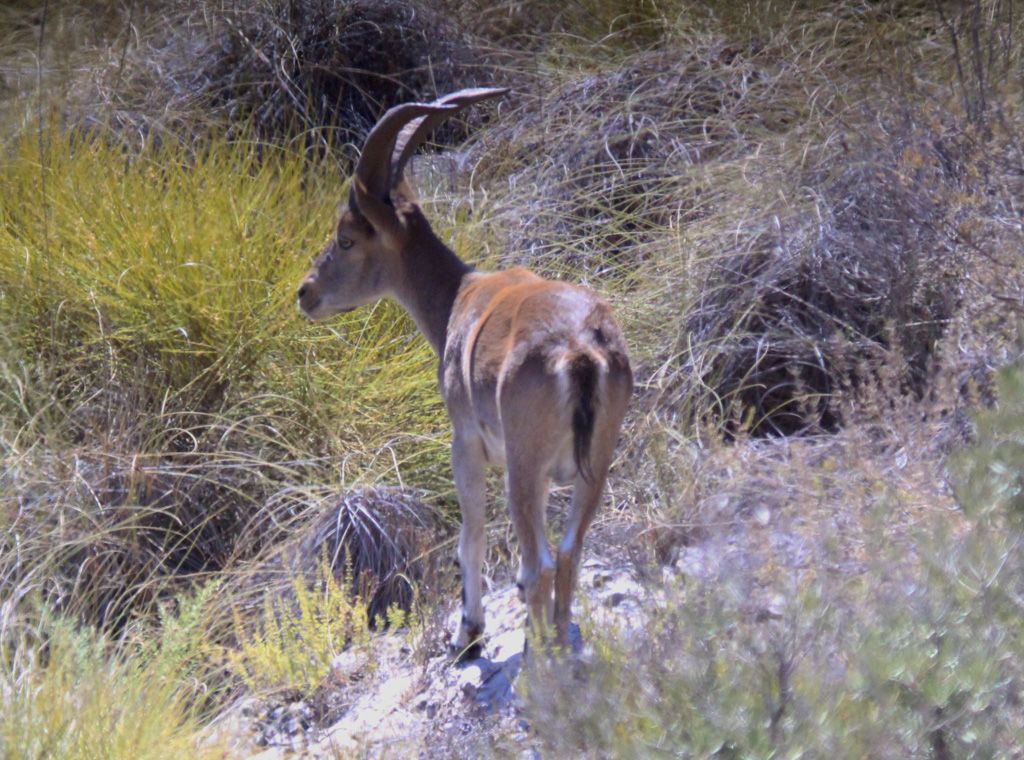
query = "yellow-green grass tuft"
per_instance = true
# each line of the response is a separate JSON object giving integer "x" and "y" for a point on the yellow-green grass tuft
{"x": 72, "y": 693}
{"x": 169, "y": 278}
{"x": 165, "y": 409}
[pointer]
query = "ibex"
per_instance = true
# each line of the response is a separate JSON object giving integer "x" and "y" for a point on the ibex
{"x": 534, "y": 373}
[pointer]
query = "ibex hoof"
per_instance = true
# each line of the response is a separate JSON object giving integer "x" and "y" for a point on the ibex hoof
{"x": 571, "y": 641}
{"x": 473, "y": 651}
{"x": 469, "y": 643}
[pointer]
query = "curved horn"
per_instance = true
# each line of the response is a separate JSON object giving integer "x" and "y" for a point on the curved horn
{"x": 416, "y": 131}
{"x": 373, "y": 170}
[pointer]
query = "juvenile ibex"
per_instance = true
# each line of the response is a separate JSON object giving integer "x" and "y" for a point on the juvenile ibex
{"x": 534, "y": 373}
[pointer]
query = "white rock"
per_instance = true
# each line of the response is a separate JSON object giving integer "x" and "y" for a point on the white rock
{"x": 762, "y": 515}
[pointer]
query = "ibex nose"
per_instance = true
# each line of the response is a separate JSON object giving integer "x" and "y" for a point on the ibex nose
{"x": 308, "y": 297}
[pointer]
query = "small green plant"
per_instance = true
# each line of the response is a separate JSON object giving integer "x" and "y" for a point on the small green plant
{"x": 182, "y": 648}
{"x": 991, "y": 472}
{"x": 298, "y": 636}
{"x": 68, "y": 691}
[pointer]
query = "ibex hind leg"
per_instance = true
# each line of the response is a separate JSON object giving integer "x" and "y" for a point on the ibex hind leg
{"x": 586, "y": 498}
{"x": 531, "y": 416}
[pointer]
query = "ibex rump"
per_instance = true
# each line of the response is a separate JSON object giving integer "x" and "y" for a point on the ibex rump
{"x": 534, "y": 373}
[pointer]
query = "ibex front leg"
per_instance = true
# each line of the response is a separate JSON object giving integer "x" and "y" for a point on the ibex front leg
{"x": 469, "y": 466}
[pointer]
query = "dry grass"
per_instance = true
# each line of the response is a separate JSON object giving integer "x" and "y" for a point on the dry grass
{"x": 315, "y": 72}
{"x": 791, "y": 230}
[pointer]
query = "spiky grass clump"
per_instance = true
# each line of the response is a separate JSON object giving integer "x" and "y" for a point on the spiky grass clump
{"x": 315, "y": 74}
{"x": 319, "y": 72}
{"x": 819, "y": 299}
{"x": 792, "y": 211}
{"x": 384, "y": 537}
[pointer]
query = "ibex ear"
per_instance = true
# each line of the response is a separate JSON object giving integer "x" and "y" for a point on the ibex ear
{"x": 378, "y": 214}
{"x": 349, "y": 209}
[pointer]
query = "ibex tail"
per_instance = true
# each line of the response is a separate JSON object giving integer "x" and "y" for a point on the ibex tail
{"x": 584, "y": 376}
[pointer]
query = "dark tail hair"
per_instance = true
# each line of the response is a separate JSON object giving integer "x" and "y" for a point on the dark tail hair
{"x": 583, "y": 374}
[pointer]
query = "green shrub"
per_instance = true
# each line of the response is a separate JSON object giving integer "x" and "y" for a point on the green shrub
{"x": 915, "y": 662}
{"x": 914, "y": 652}
{"x": 991, "y": 471}
{"x": 70, "y": 692}
{"x": 300, "y": 634}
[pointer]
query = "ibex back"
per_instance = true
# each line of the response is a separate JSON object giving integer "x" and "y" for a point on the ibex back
{"x": 534, "y": 373}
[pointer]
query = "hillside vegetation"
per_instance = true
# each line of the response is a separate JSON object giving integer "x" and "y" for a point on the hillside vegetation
{"x": 808, "y": 218}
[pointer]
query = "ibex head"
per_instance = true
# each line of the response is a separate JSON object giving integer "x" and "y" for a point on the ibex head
{"x": 380, "y": 221}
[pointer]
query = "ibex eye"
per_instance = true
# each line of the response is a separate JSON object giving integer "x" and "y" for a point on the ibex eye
{"x": 344, "y": 243}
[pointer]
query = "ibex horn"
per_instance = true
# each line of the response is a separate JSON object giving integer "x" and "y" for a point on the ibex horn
{"x": 417, "y": 130}
{"x": 373, "y": 171}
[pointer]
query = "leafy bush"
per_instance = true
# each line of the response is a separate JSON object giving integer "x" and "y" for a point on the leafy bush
{"x": 923, "y": 662}
{"x": 908, "y": 646}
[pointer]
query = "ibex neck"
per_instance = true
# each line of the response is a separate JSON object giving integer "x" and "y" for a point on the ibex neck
{"x": 430, "y": 283}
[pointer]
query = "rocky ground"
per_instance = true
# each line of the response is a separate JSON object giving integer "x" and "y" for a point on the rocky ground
{"x": 748, "y": 537}
{"x": 401, "y": 708}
